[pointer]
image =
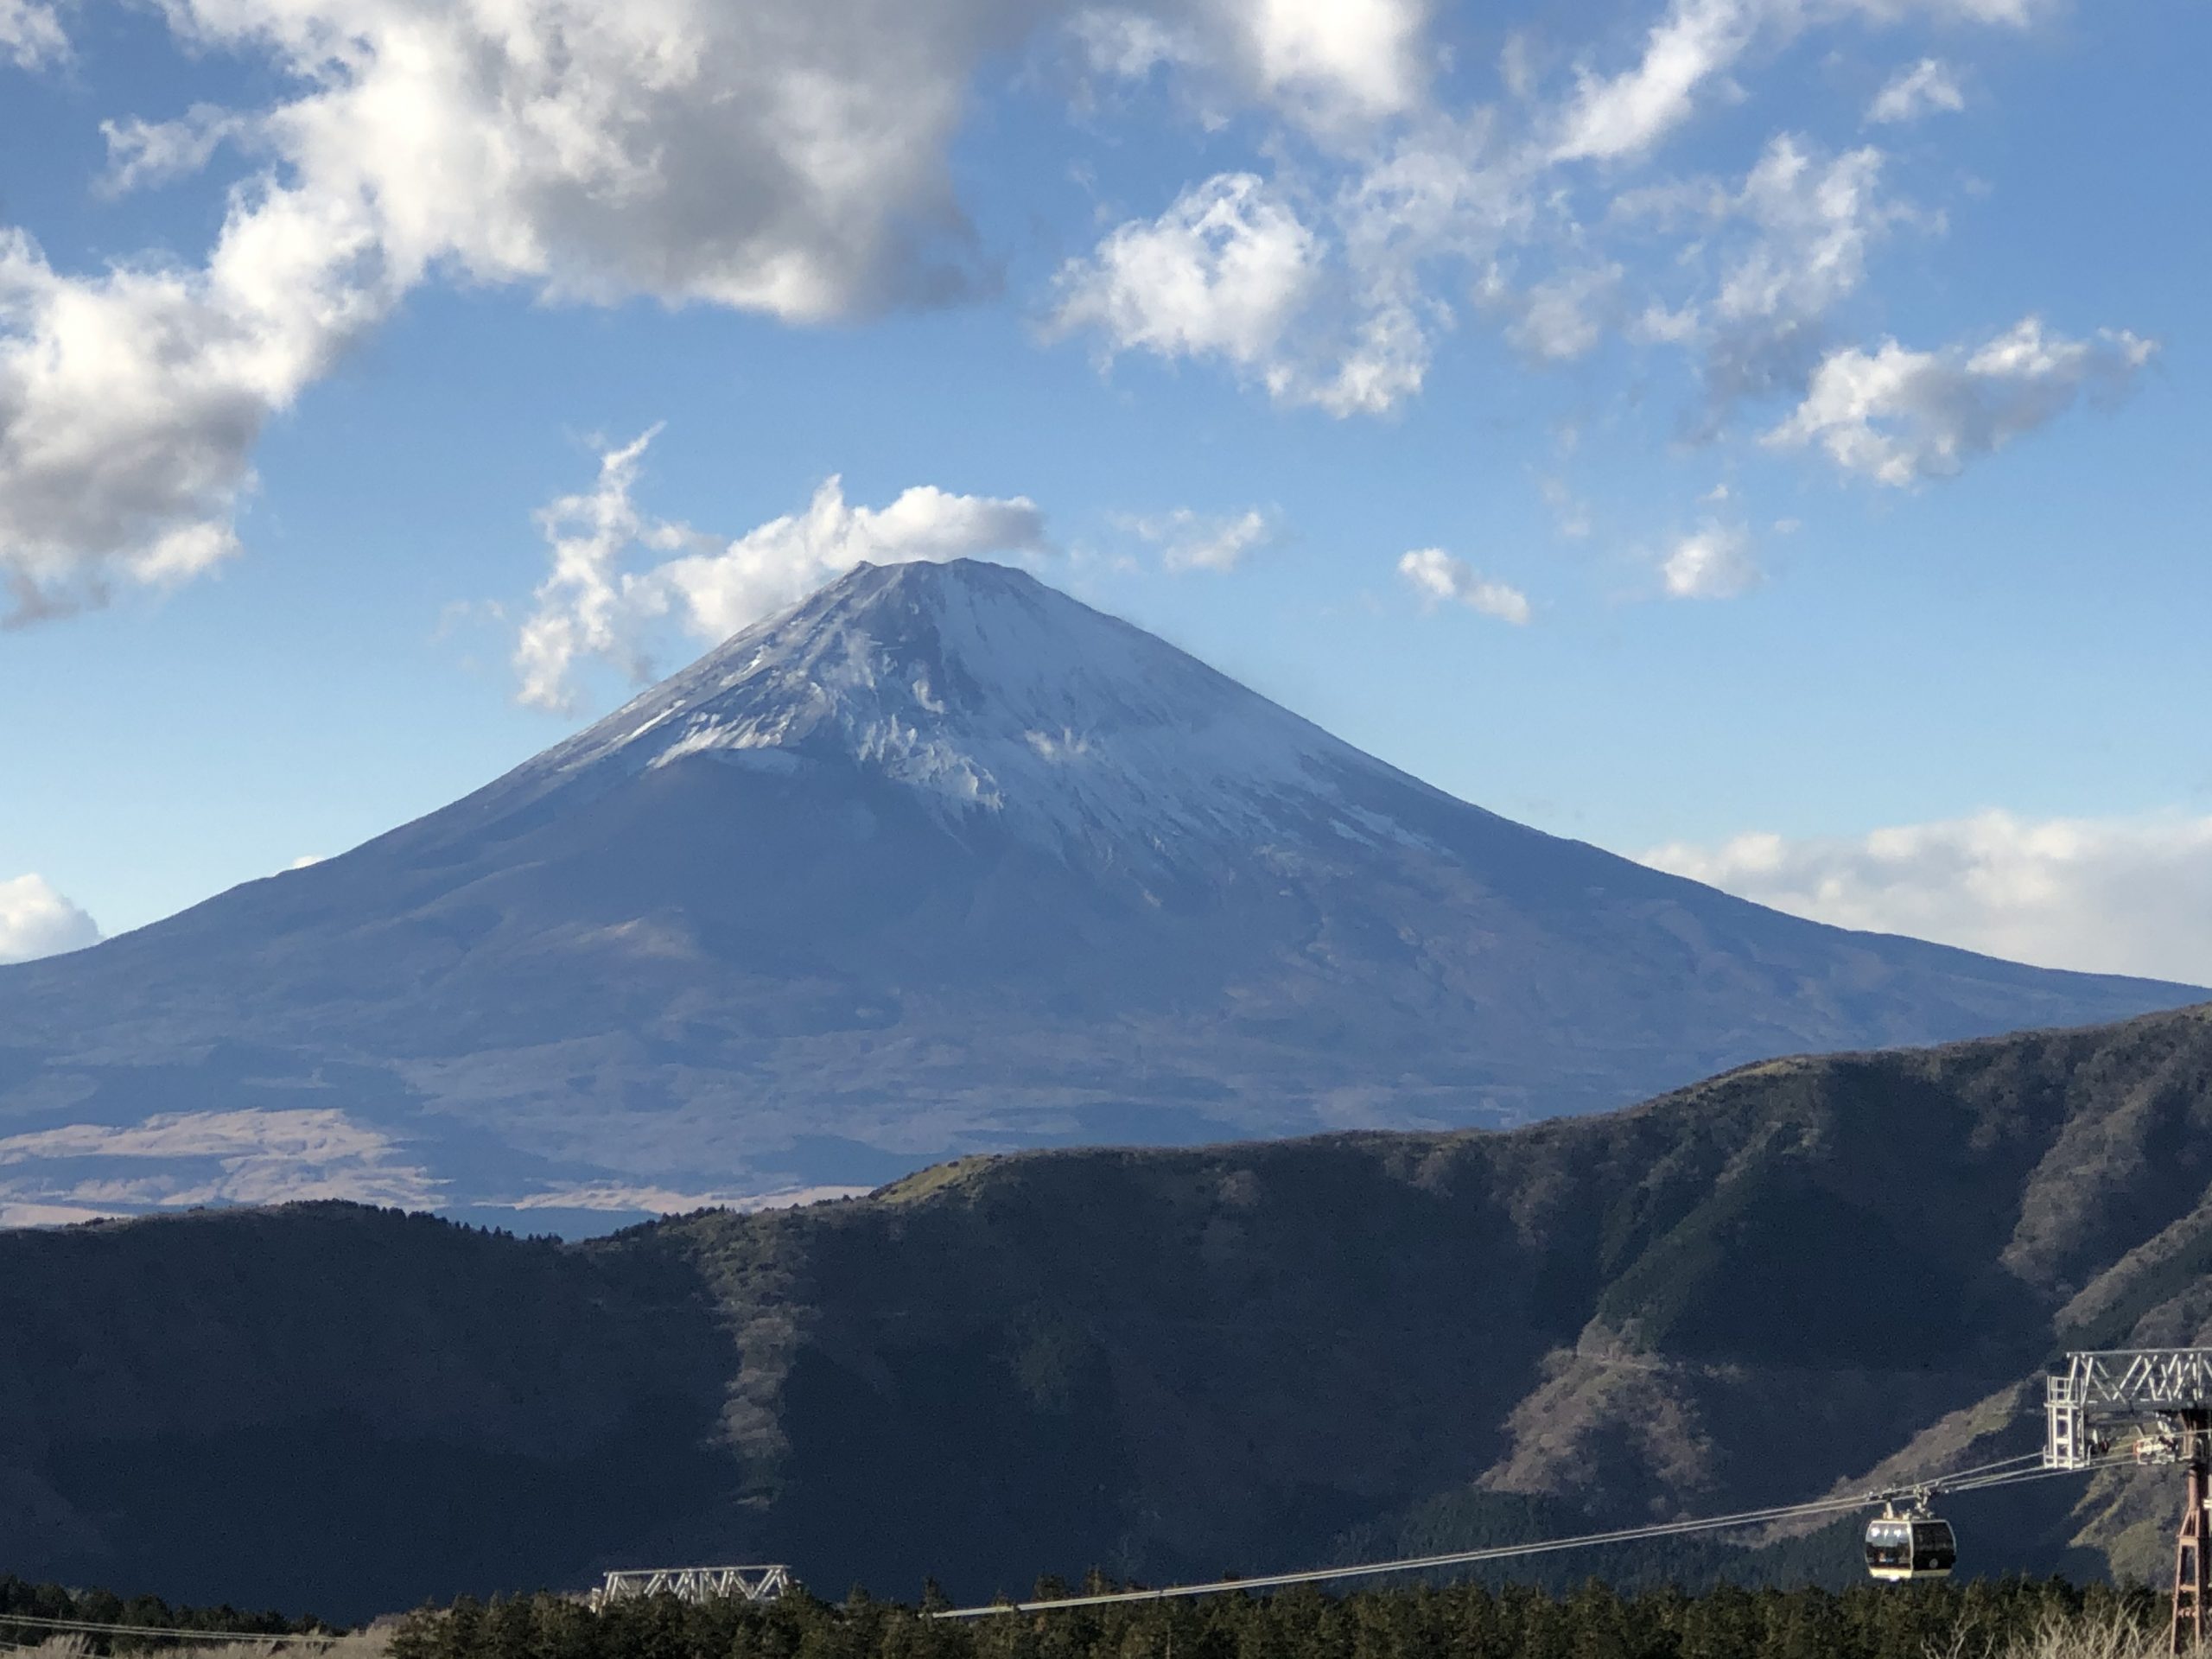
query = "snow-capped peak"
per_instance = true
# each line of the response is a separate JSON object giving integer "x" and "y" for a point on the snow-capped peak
{"x": 985, "y": 691}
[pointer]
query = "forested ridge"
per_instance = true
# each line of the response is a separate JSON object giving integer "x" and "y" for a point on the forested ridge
{"x": 1461, "y": 1621}
{"x": 1808, "y": 1275}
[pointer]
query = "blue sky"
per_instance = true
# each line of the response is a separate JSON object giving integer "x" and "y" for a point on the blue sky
{"x": 1759, "y": 436}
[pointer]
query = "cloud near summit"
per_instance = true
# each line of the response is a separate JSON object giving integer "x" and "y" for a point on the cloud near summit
{"x": 621, "y": 580}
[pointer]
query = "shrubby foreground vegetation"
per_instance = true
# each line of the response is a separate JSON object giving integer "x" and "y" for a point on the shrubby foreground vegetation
{"x": 2015, "y": 1618}
{"x": 22, "y": 1600}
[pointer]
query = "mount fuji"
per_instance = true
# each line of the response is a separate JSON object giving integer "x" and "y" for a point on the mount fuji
{"x": 939, "y": 861}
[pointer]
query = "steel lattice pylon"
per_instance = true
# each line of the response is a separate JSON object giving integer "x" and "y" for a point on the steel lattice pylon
{"x": 694, "y": 1583}
{"x": 2159, "y": 1401}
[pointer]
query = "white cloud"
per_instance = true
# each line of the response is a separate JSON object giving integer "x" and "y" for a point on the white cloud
{"x": 130, "y": 402}
{"x": 1324, "y": 296}
{"x": 1713, "y": 562}
{"x": 787, "y": 158}
{"x": 1570, "y": 512}
{"x": 1566, "y": 316}
{"x": 1785, "y": 248}
{"x": 1324, "y": 63}
{"x": 1813, "y": 225}
{"x": 31, "y": 37}
{"x": 2110, "y": 895}
{"x": 1335, "y": 59}
{"x": 1438, "y": 577}
{"x": 600, "y": 604}
{"x": 36, "y": 921}
{"x": 1222, "y": 273}
{"x": 781, "y": 157}
{"x": 1692, "y": 48}
{"x": 1918, "y": 90}
{"x": 1897, "y": 415}
{"x": 1624, "y": 114}
{"x": 1196, "y": 541}
{"x": 142, "y": 153}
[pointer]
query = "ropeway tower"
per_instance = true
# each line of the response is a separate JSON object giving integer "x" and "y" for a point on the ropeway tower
{"x": 2156, "y": 1403}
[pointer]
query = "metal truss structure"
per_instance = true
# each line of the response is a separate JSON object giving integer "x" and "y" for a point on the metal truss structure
{"x": 2161, "y": 1398}
{"x": 694, "y": 1584}
{"x": 2102, "y": 1396}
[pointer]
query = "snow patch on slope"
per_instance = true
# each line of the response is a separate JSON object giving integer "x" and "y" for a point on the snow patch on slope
{"x": 985, "y": 692}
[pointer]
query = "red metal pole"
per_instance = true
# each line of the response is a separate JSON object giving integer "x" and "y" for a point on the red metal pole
{"x": 2189, "y": 1564}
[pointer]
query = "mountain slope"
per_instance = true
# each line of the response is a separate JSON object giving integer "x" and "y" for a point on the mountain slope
{"x": 1166, "y": 1362}
{"x": 941, "y": 860}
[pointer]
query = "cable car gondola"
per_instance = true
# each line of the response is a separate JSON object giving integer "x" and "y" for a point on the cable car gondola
{"x": 1913, "y": 1546}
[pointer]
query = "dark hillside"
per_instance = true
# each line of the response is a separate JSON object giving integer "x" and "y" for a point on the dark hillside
{"x": 1162, "y": 1362}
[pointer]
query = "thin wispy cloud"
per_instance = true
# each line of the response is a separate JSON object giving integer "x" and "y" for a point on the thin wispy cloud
{"x": 1920, "y": 89}
{"x": 1189, "y": 540}
{"x": 1440, "y": 579}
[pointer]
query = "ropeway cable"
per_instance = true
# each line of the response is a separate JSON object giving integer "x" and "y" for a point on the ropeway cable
{"x": 1418, "y": 1563}
{"x": 1981, "y": 1479}
{"x": 90, "y": 1627}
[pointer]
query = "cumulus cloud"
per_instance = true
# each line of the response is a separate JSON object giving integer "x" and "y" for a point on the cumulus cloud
{"x": 36, "y": 921}
{"x": 30, "y": 35}
{"x": 1196, "y": 541}
{"x": 2111, "y": 895}
{"x": 1917, "y": 90}
{"x": 130, "y": 402}
{"x": 1713, "y": 562}
{"x": 1222, "y": 273}
{"x": 781, "y": 158}
{"x": 618, "y": 574}
{"x": 1897, "y": 415}
{"x": 1324, "y": 296}
{"x": 1438, "y": 577}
